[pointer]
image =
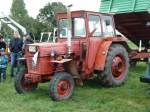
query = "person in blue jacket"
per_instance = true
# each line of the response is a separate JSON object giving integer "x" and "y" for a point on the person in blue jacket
{"x": 3, "y": 64}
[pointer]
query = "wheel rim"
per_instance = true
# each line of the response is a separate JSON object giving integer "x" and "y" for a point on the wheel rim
{"x": 63, "y": 88}
{"x": 118, "y": 66}
{"x": 26, "y": 86}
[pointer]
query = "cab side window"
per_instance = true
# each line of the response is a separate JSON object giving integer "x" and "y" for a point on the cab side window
{"x": 95, "y": 25}
{"x": 108, "y": 28}
{"x": 79, "y": 27}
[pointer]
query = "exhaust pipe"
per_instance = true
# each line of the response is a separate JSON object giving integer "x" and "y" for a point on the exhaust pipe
{"x": 69, "y": 33}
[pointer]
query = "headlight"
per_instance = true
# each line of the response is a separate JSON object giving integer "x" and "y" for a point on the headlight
{"x": 32, "y": 49}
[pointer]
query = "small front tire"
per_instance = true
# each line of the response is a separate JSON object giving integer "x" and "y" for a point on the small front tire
{"x": 21, "y": 85}
{"x": 61, "y": 86}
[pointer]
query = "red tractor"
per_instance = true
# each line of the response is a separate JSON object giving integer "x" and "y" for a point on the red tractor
{"x": 87, "y": 46}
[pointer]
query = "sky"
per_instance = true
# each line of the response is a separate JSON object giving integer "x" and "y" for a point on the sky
{"x": 33, "y": 6}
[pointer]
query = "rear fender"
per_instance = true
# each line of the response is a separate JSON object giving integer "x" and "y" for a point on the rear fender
{"x": 103, "y": 51}
{"x": 102, "y": 55}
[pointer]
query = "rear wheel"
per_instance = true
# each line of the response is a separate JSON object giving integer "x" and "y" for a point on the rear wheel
{"x": 21, "y": 85}
{"x": 116, "y": 67}
{"x": 61, "y": 86}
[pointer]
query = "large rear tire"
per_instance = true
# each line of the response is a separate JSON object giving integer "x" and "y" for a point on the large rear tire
{"x": 21, "y": 85}
{"x": 116, "y": 66}
{"x": 61, "y": 86}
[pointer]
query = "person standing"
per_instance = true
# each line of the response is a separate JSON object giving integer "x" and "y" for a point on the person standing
{"x": 3, "y": 64}
{"x": 2, "y": 43}
{"x": 15, "y": 47}
{"x": 27, "y": 39}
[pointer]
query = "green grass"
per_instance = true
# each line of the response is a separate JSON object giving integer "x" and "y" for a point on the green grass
{"x": 133, "y": 96}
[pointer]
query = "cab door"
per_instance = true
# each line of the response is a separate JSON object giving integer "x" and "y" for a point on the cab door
{"x": 79, "y": 33}
{"x": 94, "y": 40}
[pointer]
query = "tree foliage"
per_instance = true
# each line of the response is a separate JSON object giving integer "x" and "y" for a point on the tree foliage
{"x": 47, "y": 14}
{"x": 45, "y": 20}
{"x": 18, "y": 10}
{"x": 20, "y": 14}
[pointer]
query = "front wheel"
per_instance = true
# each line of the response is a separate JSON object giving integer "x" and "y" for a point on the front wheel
{"x": 116, "y": 66}
{"x": 61, "y": 86}
{"x": 21, "y": 85}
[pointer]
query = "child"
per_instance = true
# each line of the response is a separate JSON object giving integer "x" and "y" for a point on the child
{"x": 3, "y": 64}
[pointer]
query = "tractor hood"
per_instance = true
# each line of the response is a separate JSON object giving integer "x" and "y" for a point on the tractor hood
{"x": 45, "y": 49}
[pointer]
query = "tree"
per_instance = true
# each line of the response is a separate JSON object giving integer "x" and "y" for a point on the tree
{"x": 20, "y": 14}
{"x": 47, "y": 14}
{"x": 45, "y": 20}
{"x": 18, "y": 10}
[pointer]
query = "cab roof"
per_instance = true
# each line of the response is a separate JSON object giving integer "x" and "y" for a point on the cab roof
{"x": 79, "y": 13}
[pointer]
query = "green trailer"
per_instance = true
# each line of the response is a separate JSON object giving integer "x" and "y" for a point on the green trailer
{"x": 124, "y": 6}
{"x": 132, "y": 19}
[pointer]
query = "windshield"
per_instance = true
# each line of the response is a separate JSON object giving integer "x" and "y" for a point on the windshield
{"x": 78, "y": 27}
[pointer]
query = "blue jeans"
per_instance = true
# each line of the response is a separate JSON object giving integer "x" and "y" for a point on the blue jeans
{"x": 3, "y": 73}
{"x": 14, "y": 62}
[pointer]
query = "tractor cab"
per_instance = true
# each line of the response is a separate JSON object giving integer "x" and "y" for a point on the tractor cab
{"x": 85, "y": 24}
